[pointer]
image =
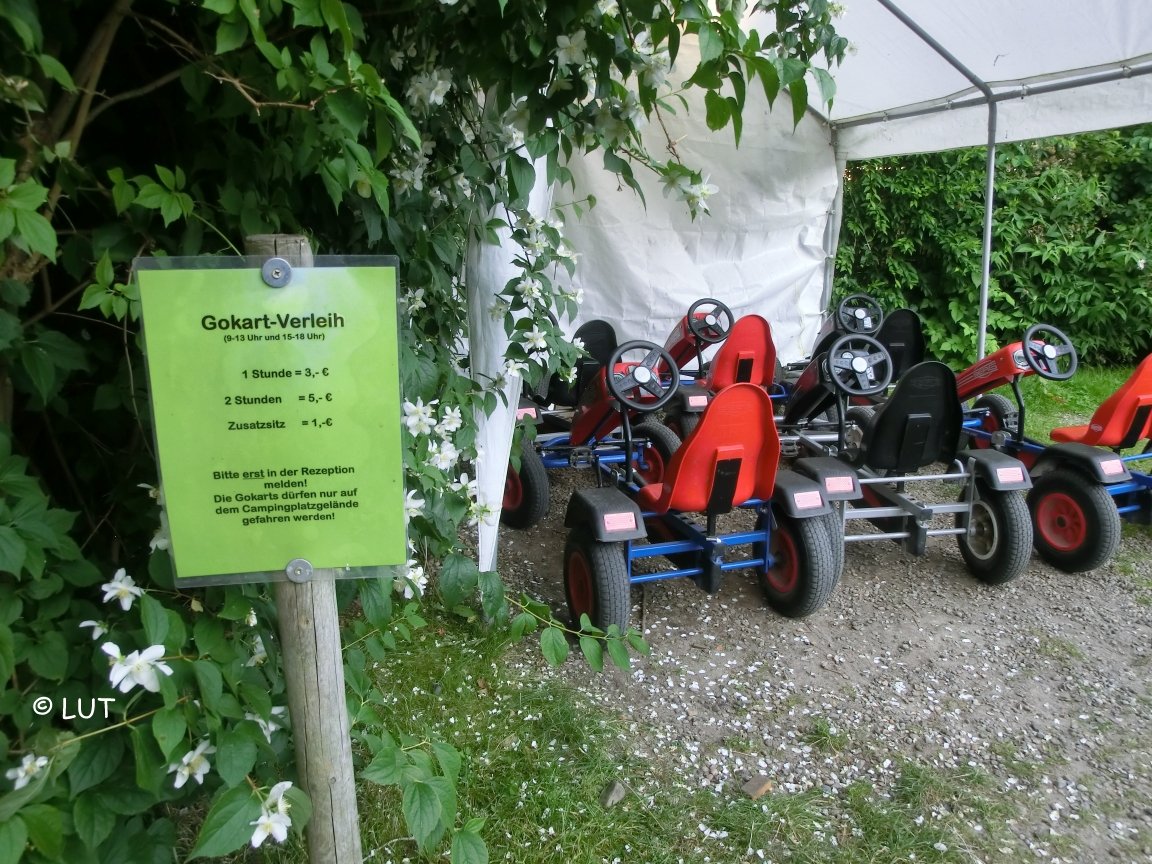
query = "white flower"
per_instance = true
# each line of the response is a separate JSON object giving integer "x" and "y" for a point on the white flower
{"x": 413, "y": 504}
{"x": 121, "y": 588}
{"x": 139, "y": 667}
{"x": 270, "y": 725}
{"x": 418, "y": 417}
{"x": 570, "y": 49}
{"x": 194, "y": 764}
{"x": 698, "y": 193}
{"x": 415, "y": 301}
{"x": 535, "y": 339}
{"x": 1140, "y": 264}
{"x": 99, "y": 628}
{"x": 275, "y": 825}
{"x": 449, "y": 2}
{"x": 485, "y": 513}
{"x": 259, "y": 654}
{"x": 413, "y": 580}
{"x": 250, "y": 618}
{"x": 445, "y": 456}
{"x": 276, "y": 800}
{"x": 514, "y": 367}
{"x": 607, "y": 8}
{"x": 464, "y": 484}
{"x": 430, "y": 88}
{"x": 153, "y": 492}
{"x": 30, "y": 766}
{"x": 450, "y": 421}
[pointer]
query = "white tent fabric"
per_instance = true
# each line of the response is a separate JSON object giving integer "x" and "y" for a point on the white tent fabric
{"x": 1054, "y": 67}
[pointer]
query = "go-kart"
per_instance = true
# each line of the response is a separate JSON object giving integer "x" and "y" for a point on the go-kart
{"x": 730, "y": 460}
{"x": 1083, "y": 487}
{"x": 890, "y": 445}
{"x": 580, "y": 426}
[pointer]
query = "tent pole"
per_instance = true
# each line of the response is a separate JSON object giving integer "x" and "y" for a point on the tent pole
{"x": 832, "y": 227}
{"x": 986, "y": 252}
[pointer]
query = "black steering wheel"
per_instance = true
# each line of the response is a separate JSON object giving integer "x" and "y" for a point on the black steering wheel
{"x": 713, "y": 326}
{"x": 641, "y": 377}
{"x": 859, "y": 365}
{"x": 859, "y": 313}
{"x": 1049, "y": 352}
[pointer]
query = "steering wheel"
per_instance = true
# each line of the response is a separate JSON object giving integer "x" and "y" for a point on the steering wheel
{"x": 859, "y": 313}
{"x": 1053, "y": 356}
{"x": 859, "y": 365}
{"x": 714, "y": 325}
{"x": 641, "y": 377}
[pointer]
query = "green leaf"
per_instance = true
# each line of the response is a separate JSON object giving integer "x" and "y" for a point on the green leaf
{"x": 7, "y": 654}
{"x": 459, "y": 577}
{"x": 235, "y": 755}
{"x": 798, "y": 90}
{"x": 376, "y": 601}
{"x": 449, "y": 759}
{"x": 618, "y": 651}
{"x": 155, "y": 619}
{"x": 711, "y": 43}
{"x": 220, "y": 7}
{"x": 12, "y": 551}
{"x": 636, "y": 640}
{"x": 45, "y": 828}
{"x": 37, "y": 233}
{"x": 387, "y": 766}
{"x": 593, "y": 652}
{"x": 40, "y": 369}
{"x": 523, "y": 623}
{"x": 99, "y": 757}
{"x": 349, "y": 109}
{"x": 208, "y": 633}
{"x": 468, "y": 848}
{"x": 48, "y": 656}
{"x": 422, "y": 810}
{"x": 13, "y": 840}
{"x": 521, "y": 178}
{"x": 826, "y": 84}
{"x": 336, "y": 18}
{"x": 230, "y": 35}
{"x": 150, "y": 765}
{"x": 227, "y": 826}
{"x": 92, "y": 820}
{"x": 169, "y": 728}
{"x": 554, "y": 646}
{"x": 29, "y": 195}
{"x": 210, "y": 682}
{"x": 718, "y": 111}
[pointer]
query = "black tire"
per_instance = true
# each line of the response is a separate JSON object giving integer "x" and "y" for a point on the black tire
{"x": 682, "y": 424}
{"x": 662, "y": 443}
{"x": 803, "y": 571}
{"x": 999, "y": 409}
{"x": 596, "y": 581}
{"x": 834, "y": 526}
{"x": 861, "y": 416}
{"x": 1075, "y": 524}
{"x": 526, "y": 492}
{"x": 999, "y": 542}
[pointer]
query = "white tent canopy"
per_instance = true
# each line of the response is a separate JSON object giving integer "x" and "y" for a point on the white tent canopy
{"x": 919, "y": 76}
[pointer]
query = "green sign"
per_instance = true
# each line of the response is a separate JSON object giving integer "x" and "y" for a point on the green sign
{"x": 277, "y": 417}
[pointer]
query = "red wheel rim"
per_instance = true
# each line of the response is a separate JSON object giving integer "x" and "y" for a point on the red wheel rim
{"x": 990, "y": 424}
{"x": 1060, "y": 521}
{"x": 654, "y": 473}
{"x": 784, "y": 574}
{"x": 513, "y": 490}
{"x": 579, "y": 586}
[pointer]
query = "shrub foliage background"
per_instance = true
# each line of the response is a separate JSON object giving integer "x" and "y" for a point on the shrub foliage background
{"x": 168, "y": 127}
{"x": 1071, "y": 238}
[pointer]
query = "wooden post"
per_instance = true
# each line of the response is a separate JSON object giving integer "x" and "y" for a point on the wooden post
{"x": 314, "y": 671}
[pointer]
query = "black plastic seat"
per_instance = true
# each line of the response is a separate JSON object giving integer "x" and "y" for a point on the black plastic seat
{"x": 902, "y": 334}
{"x": 599, "y": 338}
{"x": 918, "y": 425}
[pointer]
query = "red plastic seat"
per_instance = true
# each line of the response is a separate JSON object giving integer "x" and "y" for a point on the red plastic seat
{"x": 732, "y": 456}
{"x": 1122, "y": 419}
{"x": 748, "y": 355}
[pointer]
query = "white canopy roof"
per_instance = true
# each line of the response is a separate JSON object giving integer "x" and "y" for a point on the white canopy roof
{"x": 1053, "y": 67}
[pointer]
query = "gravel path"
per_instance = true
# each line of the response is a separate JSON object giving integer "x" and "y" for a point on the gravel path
{"x": 1042, "y": 684}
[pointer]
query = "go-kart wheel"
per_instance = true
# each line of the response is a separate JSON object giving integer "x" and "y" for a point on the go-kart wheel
{"x": 1000, "y": 415}
{"x": 800, "y": 569}
{"x": 859, "y": 313}
{"x": 713, "y": 324}
{"x": 1049, "y": 353}
{"x": 526, "y": 492}
{"x": 856, "y": 419}
{"x": 682, "y": 424}
{"x": 998, "y": 543}
{"x": 1075, "y": 524}
{"x": 662, "y": 443}
{"x": 642, "y": 377}
{"x": 859, "y": 365}
{"x": 596, "y": 581}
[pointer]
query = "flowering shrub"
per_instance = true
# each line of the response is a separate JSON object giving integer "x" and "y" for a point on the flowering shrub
{"x": 175, "y": 128}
